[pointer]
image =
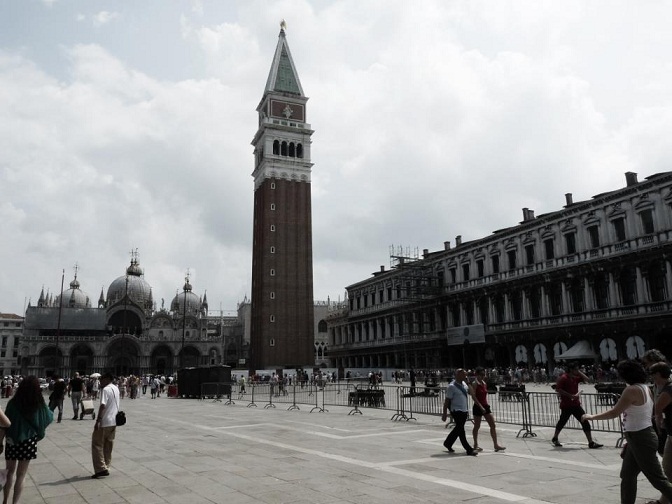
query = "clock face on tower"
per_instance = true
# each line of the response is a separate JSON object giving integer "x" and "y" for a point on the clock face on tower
{"x": 287, "y": 111}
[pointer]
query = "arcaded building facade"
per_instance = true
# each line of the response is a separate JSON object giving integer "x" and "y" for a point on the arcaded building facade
{"x": 282, "y": 257}
{"x": 126, "y": 332}
{"x": 594, "y": 272}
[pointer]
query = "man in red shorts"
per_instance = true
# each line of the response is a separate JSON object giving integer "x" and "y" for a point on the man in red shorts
{"x": 567, "y": 388}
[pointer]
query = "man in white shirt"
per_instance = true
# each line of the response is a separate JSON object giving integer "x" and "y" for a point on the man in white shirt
{"x": 102, "y": 439}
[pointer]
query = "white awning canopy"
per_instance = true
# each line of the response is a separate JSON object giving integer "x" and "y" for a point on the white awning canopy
{"x": 581, "y": 350}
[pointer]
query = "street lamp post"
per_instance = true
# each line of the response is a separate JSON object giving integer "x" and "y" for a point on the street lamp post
{"x": 184, "y": 322}
{"x": 58, "y": 327}
{"x": 123, "y": 331}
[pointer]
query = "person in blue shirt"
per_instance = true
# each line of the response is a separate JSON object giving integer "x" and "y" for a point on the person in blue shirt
{"x": 456, "y": 402}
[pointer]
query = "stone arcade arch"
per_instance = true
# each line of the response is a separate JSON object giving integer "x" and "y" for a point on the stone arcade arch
{"x": 50, "y": 359}
{"x": 81, "y": 359}
{"x": 161, "y": 361}
{"x": 122, "y": 356}
{"x": 125, "y": 322}
{"x": 189, "y": 356}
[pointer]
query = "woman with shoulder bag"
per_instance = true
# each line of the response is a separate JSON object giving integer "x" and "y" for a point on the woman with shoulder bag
{"x": 29, "y": 417}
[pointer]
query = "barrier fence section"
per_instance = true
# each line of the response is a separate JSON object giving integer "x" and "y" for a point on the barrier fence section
{"x": 510, "y": 405}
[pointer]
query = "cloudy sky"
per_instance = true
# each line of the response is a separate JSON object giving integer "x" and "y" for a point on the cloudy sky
{"x": 127, "y": 125}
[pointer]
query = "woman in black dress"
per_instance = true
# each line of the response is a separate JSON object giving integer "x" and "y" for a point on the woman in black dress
{"x": 29, "y": 416}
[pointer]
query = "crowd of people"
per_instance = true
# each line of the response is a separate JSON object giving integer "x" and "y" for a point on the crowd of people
{"x": 646, "y": 412}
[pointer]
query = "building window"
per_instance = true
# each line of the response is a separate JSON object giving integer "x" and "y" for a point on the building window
{"x": 656, "y": 281}
{"x": 272, "y": 206}
{"x": 511, "y": 254}
{"x": 480, "y": 268}
{"x": 271, "y": 342}
{"x": 272, "y": 318}
{"x": 594, "y": 236}
{"x": 4, "y": 341}
{"x": 628, "y": 285}
{"x": 647, "y": 221}
{"x": 16, "y": 341}
{"x": 272, "y": 250}
{"x": 619, "y": 229}
{"x": 535, "y": 302}
{"x": 555, "y": 299}
{"x": 529, "y": 254}
{"x": 465, "y": 272}
{"x": 548, "y": 245}
{"x": 272, "y": 228}
{"x": 276, "y": 148}
{"x": 517, "y": 305}
{"x": 3, "y": 353}
{"x": 601, "y": 291}
{"x": 272, "y": 185}
{"x": 495, "y": 264}
{"x": 453, "y": 275}
{"x": 272, "y": 272}
{"x": 570, "y": 243}
{"x": 272, "y": 295}
{"x": 15, "y": 353}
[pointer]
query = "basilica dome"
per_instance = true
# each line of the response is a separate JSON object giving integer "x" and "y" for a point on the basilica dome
{"x": 74, "y": 297}
{"x": 193, "y": 302}
{"x": 139, "y": 291}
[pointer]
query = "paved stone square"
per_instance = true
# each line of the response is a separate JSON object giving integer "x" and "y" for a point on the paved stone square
{"x": 193, "y": 451}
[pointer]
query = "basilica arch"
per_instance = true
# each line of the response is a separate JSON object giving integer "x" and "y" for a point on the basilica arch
{"x": 50, "y": 359}
{"x": 125, "y": 321}
{"x": 122, "y": 356}
{"x": 81, "y": 359}
{"x": 189, "y": 356}
{"x": 161, "y": 360}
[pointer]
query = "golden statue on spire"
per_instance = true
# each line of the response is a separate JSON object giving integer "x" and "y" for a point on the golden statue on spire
{"x": 283, "y": 25}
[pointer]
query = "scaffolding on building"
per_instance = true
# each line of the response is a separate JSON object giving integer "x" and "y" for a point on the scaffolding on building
{"x": 417, "y": 278}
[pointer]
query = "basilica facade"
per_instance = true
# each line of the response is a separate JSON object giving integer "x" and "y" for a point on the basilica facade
{"x": 126, "y": 332}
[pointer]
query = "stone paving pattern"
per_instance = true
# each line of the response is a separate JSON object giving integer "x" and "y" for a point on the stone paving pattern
{"x": 193, "y": 451}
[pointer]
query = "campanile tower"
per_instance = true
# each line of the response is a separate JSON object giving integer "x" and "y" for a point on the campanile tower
{"x": 282, "y": 324}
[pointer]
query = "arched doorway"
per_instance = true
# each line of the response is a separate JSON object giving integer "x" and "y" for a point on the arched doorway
{"x": 161, "y": 361}
{"x": 608, "y": 350}
{"x": 122, "y": 357}
{"x": 189, "y": 357}
{"x": 540, "y": 357}
{"x": 81, "y": 359}
{"x": 231, "y": 355}
{"x": 50, "y": 360}
{"x": 635, "y": 347}
{"x": 213, "y": 357}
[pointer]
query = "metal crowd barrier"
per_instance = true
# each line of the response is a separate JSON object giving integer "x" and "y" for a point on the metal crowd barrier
{"x": 510, "y": 405}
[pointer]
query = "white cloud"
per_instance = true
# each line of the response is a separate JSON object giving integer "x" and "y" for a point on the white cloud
{"x": 430, "y": 122}
{"x": 104, "y": 17}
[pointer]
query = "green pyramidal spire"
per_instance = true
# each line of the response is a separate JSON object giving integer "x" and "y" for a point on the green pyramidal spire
{"x": 283, "y": 76}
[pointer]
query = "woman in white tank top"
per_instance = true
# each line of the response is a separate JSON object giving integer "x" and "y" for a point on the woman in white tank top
{"x": 636, "y": 405}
